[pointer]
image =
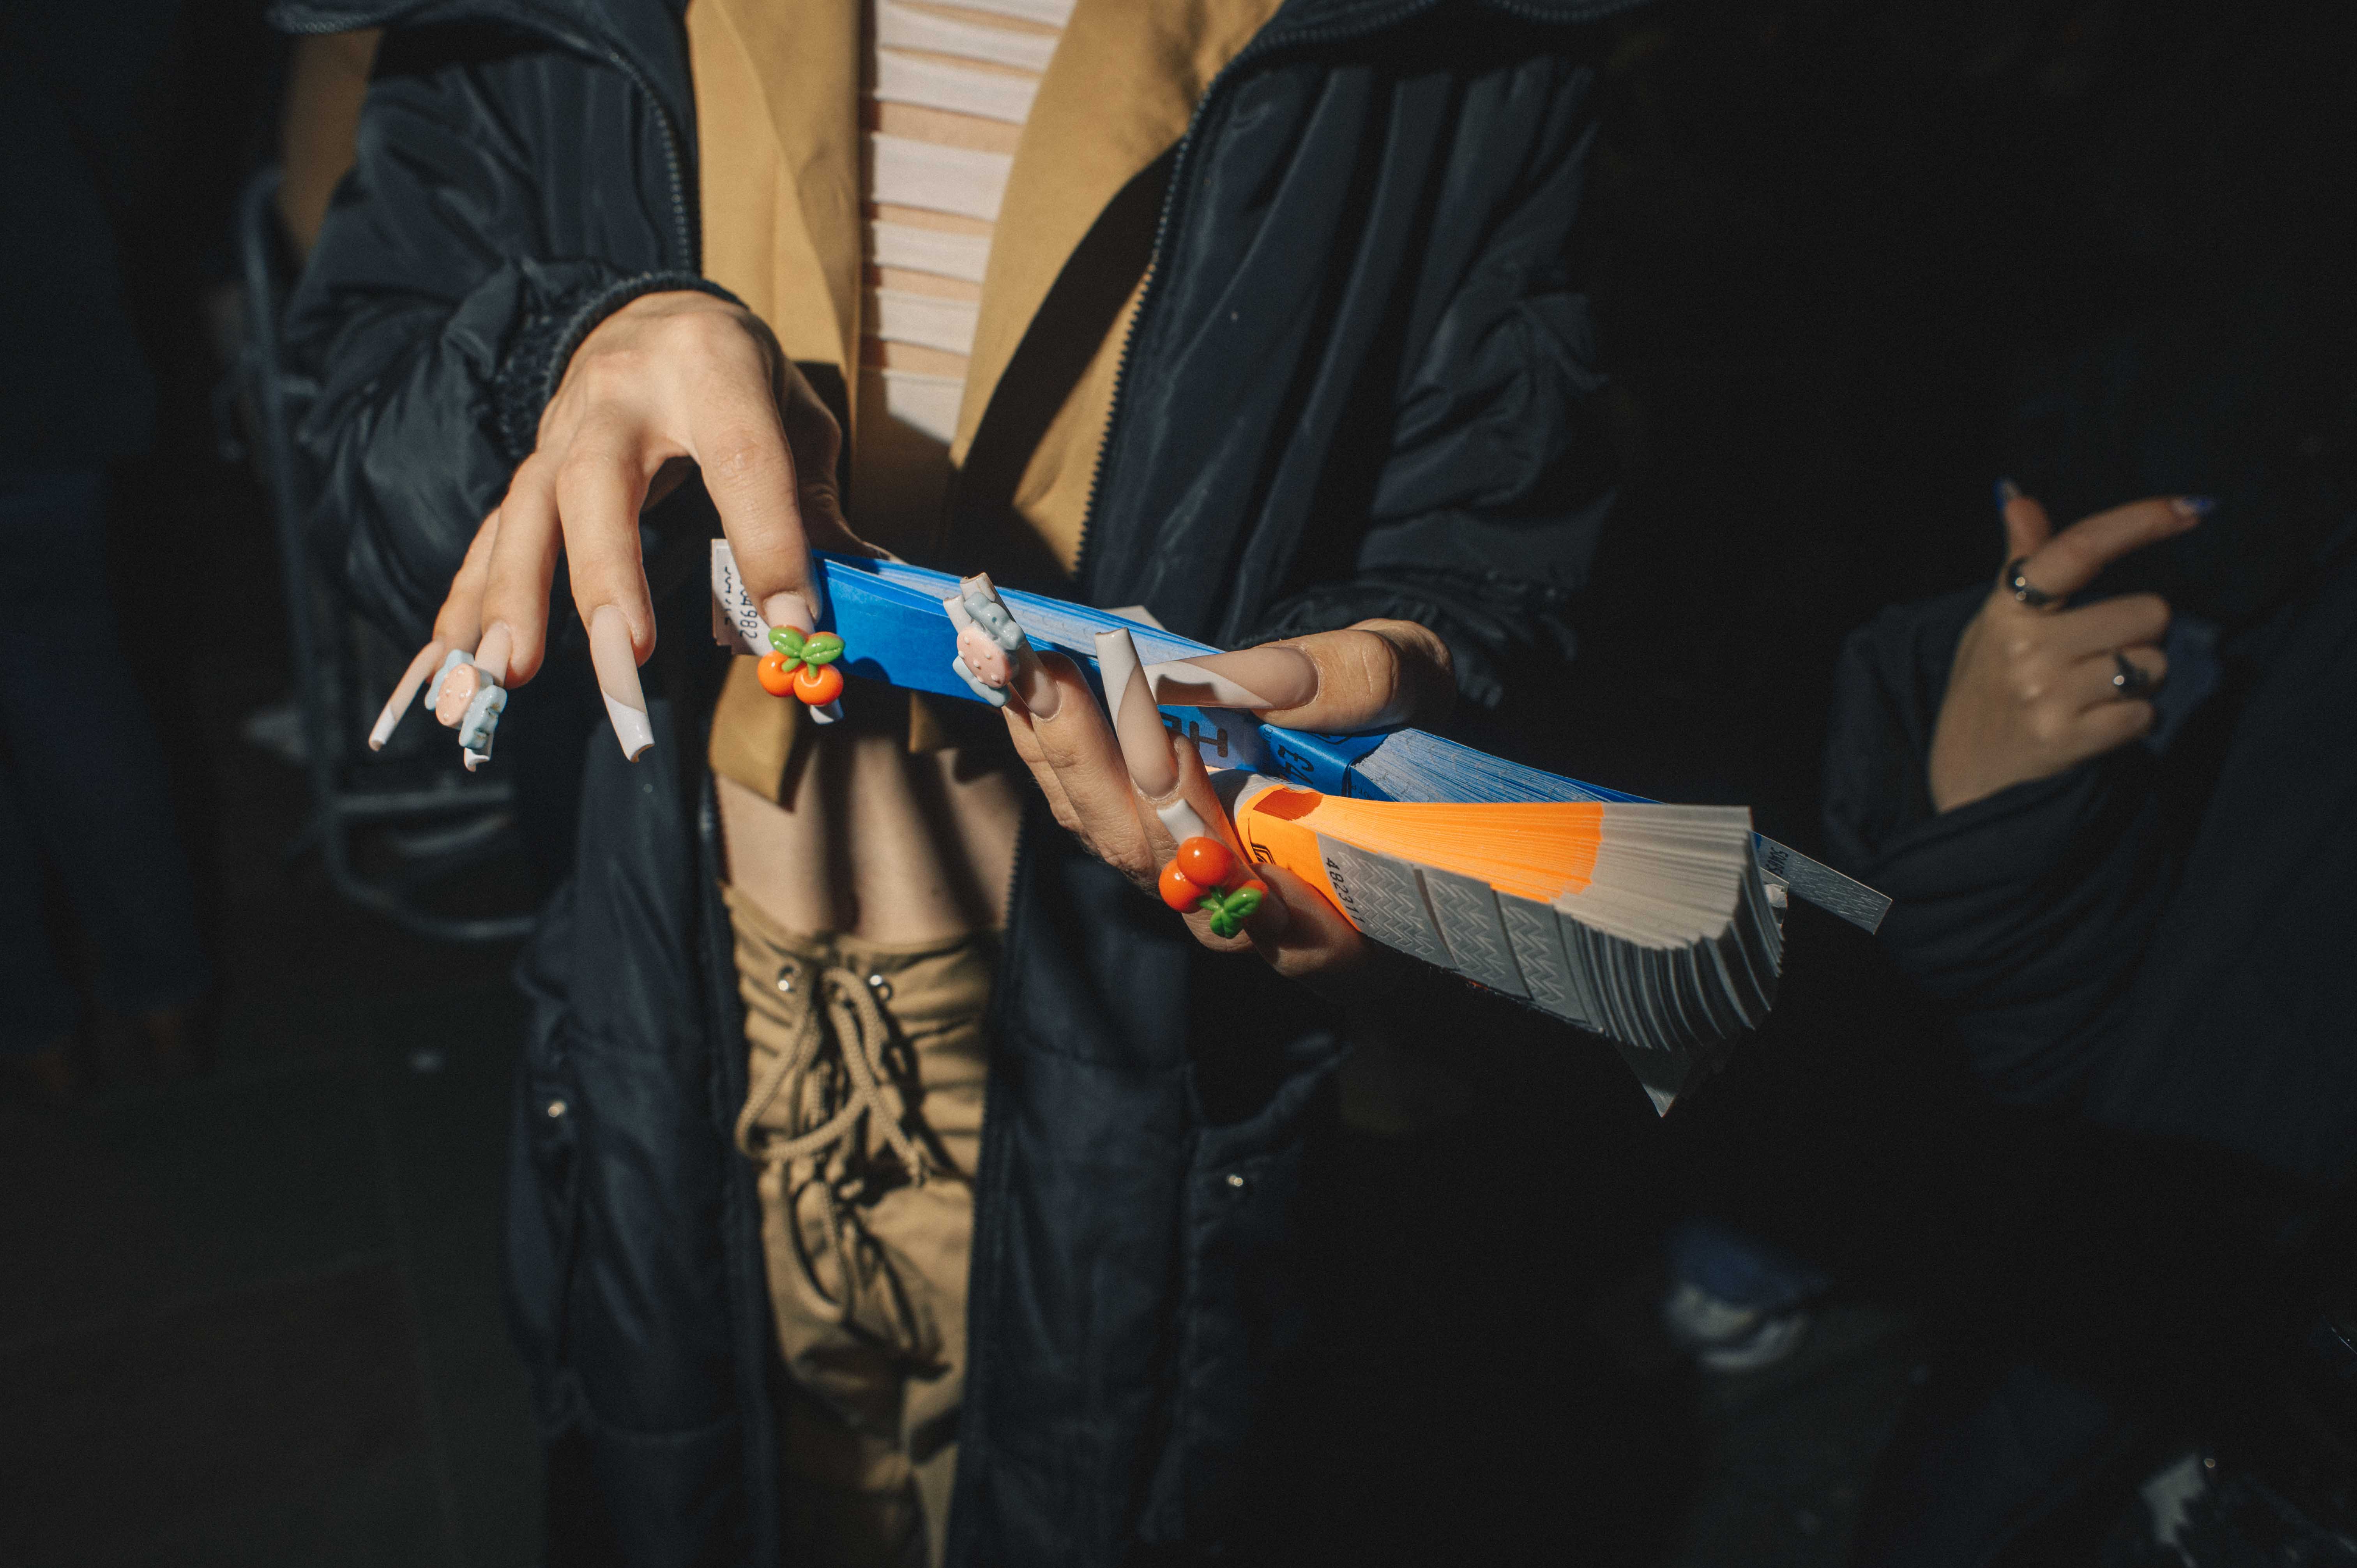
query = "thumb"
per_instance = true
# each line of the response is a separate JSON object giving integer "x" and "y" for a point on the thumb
{"x": 2026, "y": 524}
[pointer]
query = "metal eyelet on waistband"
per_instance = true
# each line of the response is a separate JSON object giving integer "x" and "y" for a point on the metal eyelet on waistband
{"x": 786, "y": 980}
{"x": 881, "y": 986}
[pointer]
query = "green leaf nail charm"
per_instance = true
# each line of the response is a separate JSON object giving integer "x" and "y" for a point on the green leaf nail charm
{"x": 821, "y": 647}
{"x": 1229, "y": 911}
{"x": 789, "y": 642}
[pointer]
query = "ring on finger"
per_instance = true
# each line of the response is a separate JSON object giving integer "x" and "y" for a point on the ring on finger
{"x": 2129, "y": 679}
{"x": 2035, "y": 597}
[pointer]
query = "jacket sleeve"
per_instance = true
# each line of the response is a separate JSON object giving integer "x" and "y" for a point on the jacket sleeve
{"x": 1499, "y": 473}
{"x": 498, "y": 208}
{"x": 2025, "y": 913}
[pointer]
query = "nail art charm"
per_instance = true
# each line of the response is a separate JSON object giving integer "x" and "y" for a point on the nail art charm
{"x": 1206, "y": 874}
{"x": 802, "y": 664}
{"x": 992, "y": 652}
{"x": 466, "y": 697}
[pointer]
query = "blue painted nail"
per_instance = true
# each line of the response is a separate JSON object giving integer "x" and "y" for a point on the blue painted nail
{"x": 2007, "y": 492}
{"x": 2195, "y": 506}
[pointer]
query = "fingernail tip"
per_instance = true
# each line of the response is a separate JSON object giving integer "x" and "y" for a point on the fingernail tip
{"x": 632, "y": 732}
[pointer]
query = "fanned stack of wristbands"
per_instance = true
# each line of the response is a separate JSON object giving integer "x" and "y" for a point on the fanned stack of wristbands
{"x": 1646, "y": 922}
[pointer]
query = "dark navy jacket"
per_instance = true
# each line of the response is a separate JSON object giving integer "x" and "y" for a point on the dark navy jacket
{"x": 1359, "y": 385}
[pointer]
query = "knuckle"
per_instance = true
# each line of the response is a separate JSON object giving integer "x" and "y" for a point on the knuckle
{"x": 2047, "y": 724}
{"x": 601, "y": 377}
{"x": 1376, "y": 663}
{"x": 582, "y": 472}
{"x": 738, "y": 454}
{"x": 706, "y": 331}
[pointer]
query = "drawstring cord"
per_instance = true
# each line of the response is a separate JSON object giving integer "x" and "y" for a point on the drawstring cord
{"x": 861, "y": 1034}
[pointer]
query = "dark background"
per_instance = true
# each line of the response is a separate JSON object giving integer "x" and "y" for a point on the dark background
{"x": 1852, "y": 261}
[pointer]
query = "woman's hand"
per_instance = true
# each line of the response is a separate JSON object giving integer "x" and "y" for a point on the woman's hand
{"x": 667, "y": 380}
{"x": 1114, "y": 785}
{"x": 2038, "y": 689}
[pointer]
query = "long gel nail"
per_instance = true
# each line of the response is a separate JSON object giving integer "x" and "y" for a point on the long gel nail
{"x": 397, "y": 705}
{"x": 1256, "y": 679}
{"x": 617, "y": 664}
{"x": 1136, "y": 720}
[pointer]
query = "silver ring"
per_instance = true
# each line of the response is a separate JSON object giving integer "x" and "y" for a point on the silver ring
{"x": 2036, "y": 598}
{"x": 2130, "y": 681}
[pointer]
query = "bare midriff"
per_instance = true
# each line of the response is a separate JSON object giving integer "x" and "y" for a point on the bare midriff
{"x": 877, "y": 841}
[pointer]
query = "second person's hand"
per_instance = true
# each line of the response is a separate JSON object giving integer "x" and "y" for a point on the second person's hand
{"x": 2036, "y": 688}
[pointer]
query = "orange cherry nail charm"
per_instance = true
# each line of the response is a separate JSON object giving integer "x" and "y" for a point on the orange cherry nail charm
{"x": 1205, "y": 861}
{"x": 1179, "y": 891}
{"x": 1197, "y": 879}
{"x": 777, "y": 673}
{"x": 803, "y": 665}
{"x": 818, "y": 684}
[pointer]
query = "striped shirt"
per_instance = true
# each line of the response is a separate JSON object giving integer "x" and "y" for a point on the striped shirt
{"x": 946, "y": 89}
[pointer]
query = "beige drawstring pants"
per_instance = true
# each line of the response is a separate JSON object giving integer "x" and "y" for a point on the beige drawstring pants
{"x": 865, "y": 1114}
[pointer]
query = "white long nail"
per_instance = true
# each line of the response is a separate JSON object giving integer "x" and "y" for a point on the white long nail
{"x": 617, "y": 663}
{"x": 492, "y": 653}
{"x": 404, "y": 693}
{"x": 1253, "y": 678}
{"x": 1183, "y": 820}
{"x": 1136, "y": 722}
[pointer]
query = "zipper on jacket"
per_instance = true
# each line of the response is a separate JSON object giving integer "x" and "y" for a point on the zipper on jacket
{"x": 1262, "y": 46}
{"x": 688, "y": 229}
